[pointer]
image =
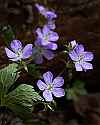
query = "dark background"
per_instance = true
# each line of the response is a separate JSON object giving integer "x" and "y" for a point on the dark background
{"x": 77, "y": 19}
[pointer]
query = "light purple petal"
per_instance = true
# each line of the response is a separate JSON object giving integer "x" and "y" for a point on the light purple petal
{"x": 46, "y": 30}
{"x": 58, "y": 82}
{"x": 41, "y": 85}
{"x": 39, "y": 32}
{"x": 78, "y": 66}
{"x": 53, "y": 36}
{"x": 87, "y": 65}
{"x": 48, "y": 54}
{"x": 27, "y": 51}
{"x": 88, "y": 56}
{"x": 10, "y": 54}
{"x": 48, "y": 76}
{"x": 58, "y": 92}
{"x": 38, "y": 59}
{"x": 41, "y": 42}
{"x": 16, "y": 45}
{"x": 73, "y": 55}
{"x": 47, "y": 95}
{"x": 38, "y": 42}
{"x": 79, "y": 49}
{"x": 44, "y": 42}
{"x": 73, "y": 43}
{"x": 50, "y": 15}
{"x": 40, "y": 8}
{"x": 51, "y": 46}
{"x": 16, "y": 59}
{"x": 51, "y": 25}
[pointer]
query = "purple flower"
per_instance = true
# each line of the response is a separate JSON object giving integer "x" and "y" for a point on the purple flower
{"x": 18, "y": 52}
{"x": 46, "y": 37}
{"x": 81, "y": 58}
{"x": 73, "y": 44}
{"x": 39, "y": 52}
{"x": 45, "y": 12}
{"x": 51, "y": 24}
{"x": 51, "y": 87}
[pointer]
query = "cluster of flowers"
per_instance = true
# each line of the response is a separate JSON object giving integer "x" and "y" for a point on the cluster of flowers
{"x": 46, "y": 37}
{"x": 44, "y": 46}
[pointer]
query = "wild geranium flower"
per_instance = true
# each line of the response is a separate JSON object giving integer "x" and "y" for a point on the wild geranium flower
{"x": 45, "y": 12}
{"x": 51, "y": 24}
{"x": 81, "y": 58}
{"x": 51, "y": 87}
{"x": 40, "y": 52}
{"x": 17, "y": 52}
{"x": 73, "y": 44}
{"x": 47, "y": 37}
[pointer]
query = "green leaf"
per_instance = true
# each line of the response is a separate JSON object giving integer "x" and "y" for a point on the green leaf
{"x": 76, "y": 91}
{"x": 22, "y": 98}
{"x": 8, "y": 76}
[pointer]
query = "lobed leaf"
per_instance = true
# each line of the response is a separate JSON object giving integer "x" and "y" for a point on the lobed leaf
{"x": 22, "y": 98}
{"x": 8, "y": 76}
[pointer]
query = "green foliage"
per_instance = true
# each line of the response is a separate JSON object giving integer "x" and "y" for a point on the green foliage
{"x": 22, "y": 98}
{"x": 8, "y": 76}
{"x": 76, "y": 91}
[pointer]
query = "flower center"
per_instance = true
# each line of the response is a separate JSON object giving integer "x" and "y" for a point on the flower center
{"x": 49, "y": 87}
{"x": 19, "y": 53}
{"x": 81, "y": 57}
{"x": 46, "y": 38}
